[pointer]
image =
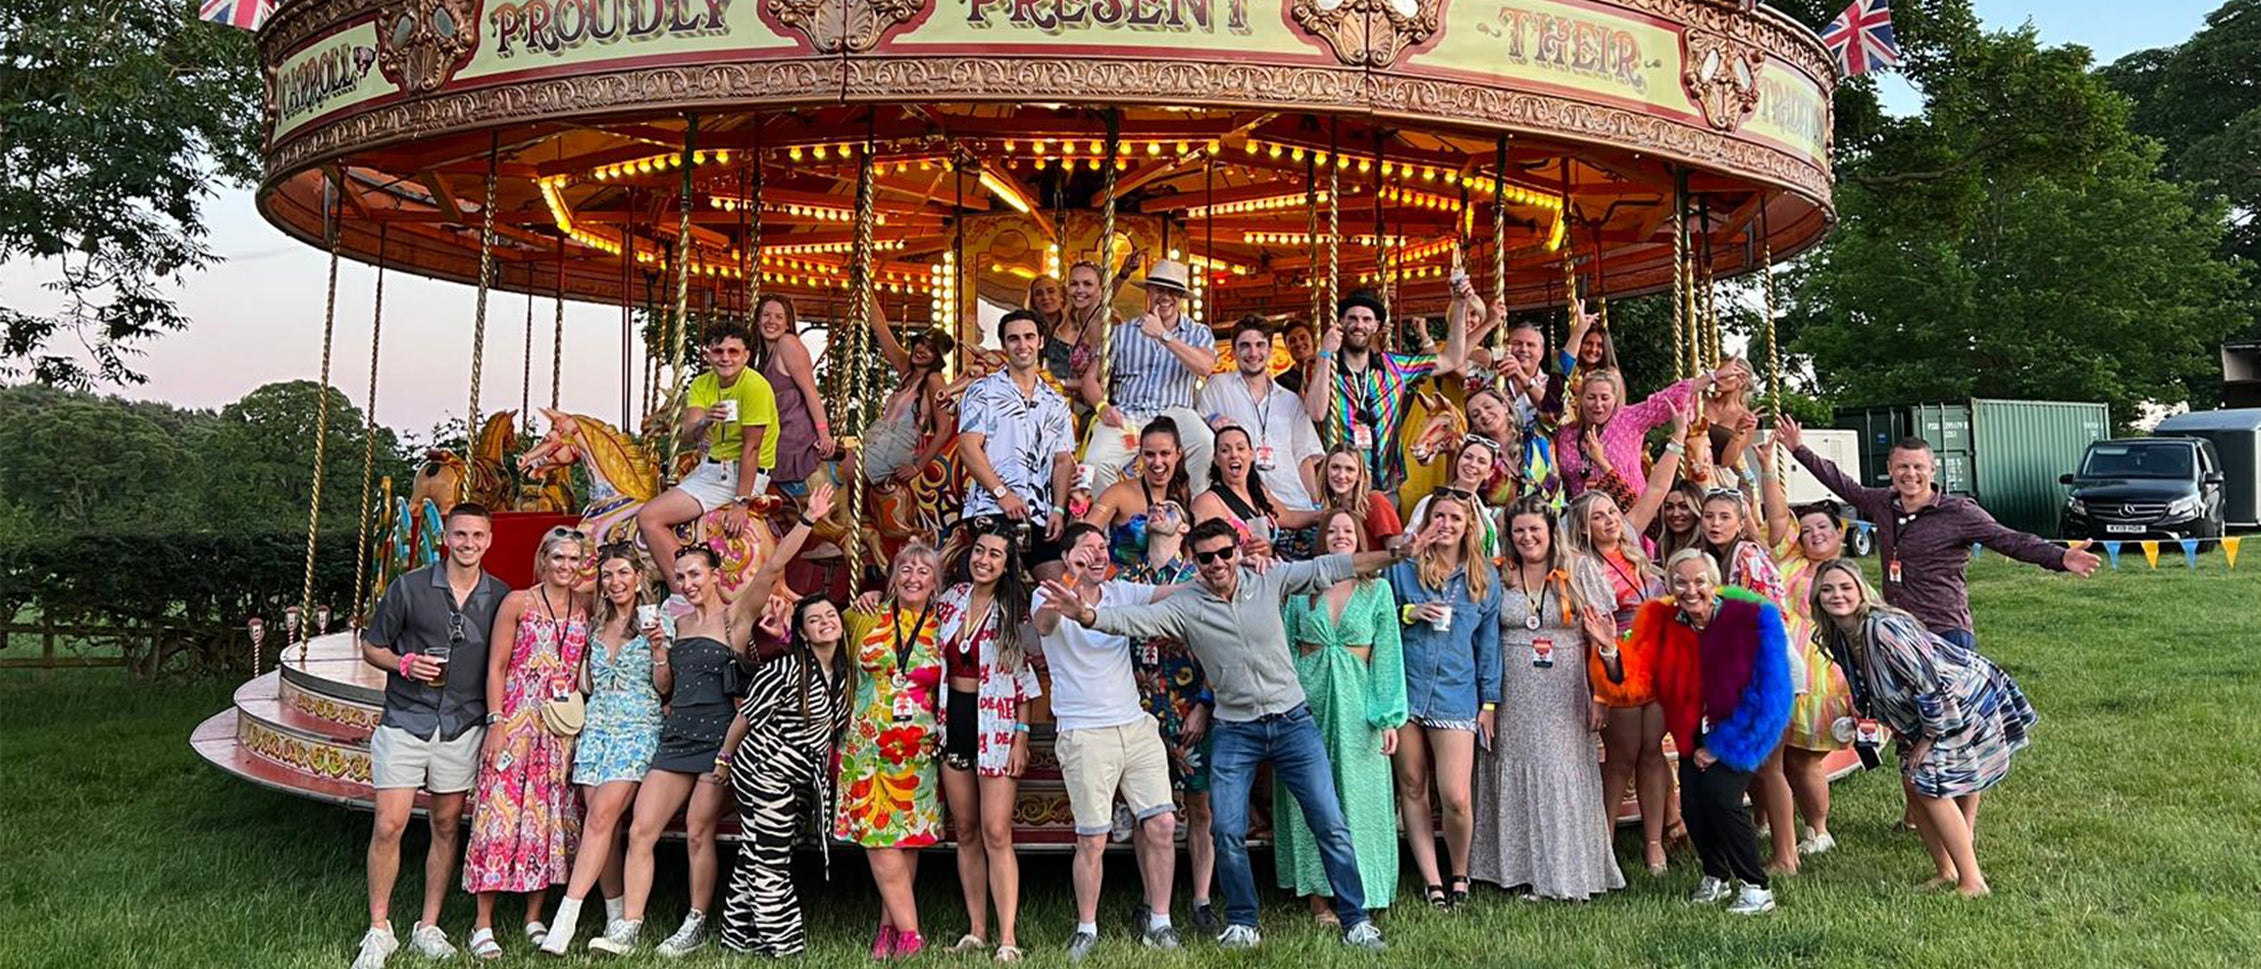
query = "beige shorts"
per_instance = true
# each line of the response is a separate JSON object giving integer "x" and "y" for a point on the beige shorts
{"x": 1096, "y": 762}
{"x": 712, "y": 484}
{"x": 399, "y": 759}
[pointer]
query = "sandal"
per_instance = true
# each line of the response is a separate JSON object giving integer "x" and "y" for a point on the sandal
{"x": 1326, "y": 920}
{"x": 1435, "y": 895}
{"x": 483, "y": 945}
{"x": 537, "y": 933}
{"x": 1459, "y": 894}
{"x": 1656, "y": 867}
{"x": 968, "y": 943}
{"x": 1008, "y": 953}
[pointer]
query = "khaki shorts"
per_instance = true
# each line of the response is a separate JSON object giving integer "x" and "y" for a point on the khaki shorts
{"x": 1096, "y": 762}
{"x": 400, "y": 759}
{"x": 712, "y": 484}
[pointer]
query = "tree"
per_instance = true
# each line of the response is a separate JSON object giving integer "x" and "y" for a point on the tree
{"x": 2016, "y": 239}
{"x": 116, "y": 122}
{"x": 257, "y": 458}
{"x": 85, "y": 463}
{"x": 2202, "y": 100}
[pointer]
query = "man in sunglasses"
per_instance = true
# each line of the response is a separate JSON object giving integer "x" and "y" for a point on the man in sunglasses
{"x": 429, "y": 636}
{"x": 1232, "y": 622}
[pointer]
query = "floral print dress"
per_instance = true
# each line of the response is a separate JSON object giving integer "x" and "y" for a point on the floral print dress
{"x": 526, "y": 816}
{"x": 889, "y": 789}
{"x": 1171, "y": 682}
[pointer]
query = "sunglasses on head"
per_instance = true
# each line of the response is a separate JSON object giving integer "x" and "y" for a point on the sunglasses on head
{"x": 1225, "y": 553}
{"x": 561, "y": 531}
{"x": 1723, "y": 493}
{"x": 1452, "y": 492}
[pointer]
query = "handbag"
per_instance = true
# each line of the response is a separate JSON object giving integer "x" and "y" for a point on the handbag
{"x": 562, "y": 715}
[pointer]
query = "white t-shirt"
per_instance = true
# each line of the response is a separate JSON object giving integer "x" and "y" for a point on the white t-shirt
{"x": 1092, "y": 682}
{"x": 1280, "y": 423}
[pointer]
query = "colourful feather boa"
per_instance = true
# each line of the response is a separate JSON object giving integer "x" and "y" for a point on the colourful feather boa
{"x": 1744, "y": 737}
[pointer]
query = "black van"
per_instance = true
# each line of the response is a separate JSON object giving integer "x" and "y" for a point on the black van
{"x": 2146, "y": 487}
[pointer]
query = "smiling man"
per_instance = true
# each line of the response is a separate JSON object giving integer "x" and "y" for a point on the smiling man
{"x": 732, "y": 412}
{"x": 1232, "y": 621}
{"x": 1157, "y": 363}
{"x": 1287, "y": 444}
{"x": 1018, "y": 442}
{"x": 1924, "y": 536}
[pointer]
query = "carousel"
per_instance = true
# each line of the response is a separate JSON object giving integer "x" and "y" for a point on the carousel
{"x": 679, "y": 160}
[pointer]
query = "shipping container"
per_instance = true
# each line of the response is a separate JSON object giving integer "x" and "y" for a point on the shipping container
{"x": 2005, "y": 454}
{"x": 2237, "y": 442}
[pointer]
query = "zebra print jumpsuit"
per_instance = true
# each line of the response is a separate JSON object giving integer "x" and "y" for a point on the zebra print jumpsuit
{"x": 782, "y": 774}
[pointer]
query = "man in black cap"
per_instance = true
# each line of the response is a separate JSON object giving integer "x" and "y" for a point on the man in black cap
{"x": 1360, "y": 398}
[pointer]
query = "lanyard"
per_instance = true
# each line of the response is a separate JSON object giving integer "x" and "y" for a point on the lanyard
{"x": 903, "y": 648}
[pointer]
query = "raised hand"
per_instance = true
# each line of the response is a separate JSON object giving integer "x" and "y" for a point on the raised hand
{"x": 1787, "y": 431}
{"x": 819, "y": 502}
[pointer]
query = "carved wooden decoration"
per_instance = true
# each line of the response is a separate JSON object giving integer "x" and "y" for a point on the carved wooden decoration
{"x": 1722, "y": 77}
{"x": 836, "y": 26}
{"x": 1369, "y": 33}
{"x": 422, "y": 43}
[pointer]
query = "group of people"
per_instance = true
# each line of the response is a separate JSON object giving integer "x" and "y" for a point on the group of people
{"x": 1455, "y": 599}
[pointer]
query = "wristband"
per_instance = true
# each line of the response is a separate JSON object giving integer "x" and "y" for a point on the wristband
{"x": 1675, "y": 448}
{"x": 405, "y": 659}
{"x": 1405, "y": 615}
{"x": 805, "y": 520}
{"x": 1607, "y": 655}
{"x": 1490, "y": 708}
{"x": 1326, "y": 354}
{"x": 1020, "y": 728}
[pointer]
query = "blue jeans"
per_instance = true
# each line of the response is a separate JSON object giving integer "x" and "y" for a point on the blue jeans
{"x": 1290, "y": 741}
{"x": 1960, "y": 637}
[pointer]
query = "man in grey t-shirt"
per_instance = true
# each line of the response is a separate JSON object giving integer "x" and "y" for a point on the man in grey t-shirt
{"x": 429, "y": 634}
{"x": 1233, "y": 624}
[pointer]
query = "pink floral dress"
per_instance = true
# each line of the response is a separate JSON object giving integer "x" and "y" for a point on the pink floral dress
{"x": 525, "y": 816}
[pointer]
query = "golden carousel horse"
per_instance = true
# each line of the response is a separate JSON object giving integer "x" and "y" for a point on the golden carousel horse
{"x": 485, "y": 477}
{"x": 623, "y": 476}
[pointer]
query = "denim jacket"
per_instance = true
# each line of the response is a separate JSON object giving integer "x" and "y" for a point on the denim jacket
{"x": 1447, "y": 674}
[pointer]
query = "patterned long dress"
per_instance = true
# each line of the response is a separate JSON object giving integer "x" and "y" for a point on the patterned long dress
{"x": 1539, "y": 789}
{"x": 1923, "y": 686}
{"x": 889, "y": 756}
{"x": 1824, "y": 696}
{"x": 526, "y": 817}
{"x": 1171, "y": 682}
{"x": 1354, "y": 700}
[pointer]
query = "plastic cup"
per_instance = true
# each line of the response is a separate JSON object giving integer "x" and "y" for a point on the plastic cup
{"x": 439, "y": 655}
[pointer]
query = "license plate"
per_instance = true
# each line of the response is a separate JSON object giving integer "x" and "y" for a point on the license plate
{"x": 2123, "y": 529}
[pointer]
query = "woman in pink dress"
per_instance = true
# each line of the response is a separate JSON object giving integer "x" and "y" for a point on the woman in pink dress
{"x": 525, "y": 816}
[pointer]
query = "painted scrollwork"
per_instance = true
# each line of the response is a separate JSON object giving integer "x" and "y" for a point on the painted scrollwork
{"x": 836, "y": 26}
{"x": 1369, "y": 33}
{"x": 422, "y": 43}
{"x": 1721, "y": 75}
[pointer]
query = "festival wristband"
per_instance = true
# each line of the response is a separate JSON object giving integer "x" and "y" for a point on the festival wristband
{"x": 1405, "y": 615}
{"x": 406, "y": 659}
{"x": 1491, "y": 708}
{"x": 1020, "y": 728}
{"x": 806, "y": 522}
{"x": 1675, "y": 448}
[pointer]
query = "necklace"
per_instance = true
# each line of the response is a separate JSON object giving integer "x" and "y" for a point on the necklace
{"x": 1531, "y": 603}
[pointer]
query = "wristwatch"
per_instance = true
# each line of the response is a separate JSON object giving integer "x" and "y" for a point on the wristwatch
{"x": 493, "y": 718}
{"x": 1000, "y": 491}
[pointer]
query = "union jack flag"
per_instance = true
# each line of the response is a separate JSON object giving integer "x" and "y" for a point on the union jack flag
{"x": 1861, "y": 38}
{"x": 246, "y": 14}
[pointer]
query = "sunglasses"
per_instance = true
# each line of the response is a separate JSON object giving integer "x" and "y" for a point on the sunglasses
{"x": 1225, "y": 554}
{"x": 1711, "y": 493}
{"x": 456, "y": 633}
{"x": 1452, "y": 492}
{"x": 561, "y": 531}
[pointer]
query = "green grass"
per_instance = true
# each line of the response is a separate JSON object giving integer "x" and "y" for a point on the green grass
{"x": 2127, "y": 836}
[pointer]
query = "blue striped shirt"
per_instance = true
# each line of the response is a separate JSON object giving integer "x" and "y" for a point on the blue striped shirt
{"x": 1148, "y": 379}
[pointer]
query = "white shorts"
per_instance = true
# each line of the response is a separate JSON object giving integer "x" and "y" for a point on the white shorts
{"x": 889, "y": 445}
{"x": 1098, "y": 761}
{"x": 400, "y": 759}
{"x": 712, "y": 484}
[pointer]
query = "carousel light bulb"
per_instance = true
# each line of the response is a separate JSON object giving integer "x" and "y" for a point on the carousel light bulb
{"x": 1272, "y": 151}
{"x": 1249, "y": 147}
{"x": 818, "y": 151}
{"x": 1122, "y": 164}
{"x": 1184, "y": 148}
{"x": 1067, "y": 146}
{"x": 1318, "y": 158}
{"x": 1451, "y": 177}
{"x": 847, "y": 148}
{"x": 1364, "y": 166}
{"x": 1428, "y": 173}
{"x": 1211, "y": 147}
{"x": 901, "y": 167}
{"x": 1295, "y": 154}
{"x": 794, "y": 153}
{"x": 722, "y": 156}
{"x": 1093, "y": 164}
{"x": 1122, "y": 148}
{"x": 1097, "y": 148}
{"x": 698, "y": 158}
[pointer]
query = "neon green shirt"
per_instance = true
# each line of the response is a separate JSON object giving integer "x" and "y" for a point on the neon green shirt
{"x": 757, "y": 407}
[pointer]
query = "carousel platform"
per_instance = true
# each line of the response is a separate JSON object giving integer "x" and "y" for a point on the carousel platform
{"x": 303, "y": 730}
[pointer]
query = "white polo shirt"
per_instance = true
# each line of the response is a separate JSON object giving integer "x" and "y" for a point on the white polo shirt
{"x": 1092, "y": 682}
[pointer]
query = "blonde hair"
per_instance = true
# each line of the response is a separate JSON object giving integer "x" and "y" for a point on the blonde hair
{"x": 1431, "y": 569}
{"x": 1871, "y": 604}
{"x": 1355, "y": 501}
{"x": 1580, "y": 536}
{"x": 550, "y": 542}
{"x": 916, "y": 551}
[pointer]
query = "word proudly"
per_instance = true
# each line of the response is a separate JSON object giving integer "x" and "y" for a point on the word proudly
{"x": 1794, "y": 109}
{"x": 1060, "y": 16}
{"x": 1588, "y": 48}
{"x": 554, "y": 26}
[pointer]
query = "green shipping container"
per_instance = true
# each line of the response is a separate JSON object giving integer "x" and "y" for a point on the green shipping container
{"x": 2006, "y": 454}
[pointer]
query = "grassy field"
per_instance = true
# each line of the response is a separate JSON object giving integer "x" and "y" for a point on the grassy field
{"x": 2129, "y": 835}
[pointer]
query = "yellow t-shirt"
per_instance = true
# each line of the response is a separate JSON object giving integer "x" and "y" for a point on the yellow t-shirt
{"x": 757, "y": 407}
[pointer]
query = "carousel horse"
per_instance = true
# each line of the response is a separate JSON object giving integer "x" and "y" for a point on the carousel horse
{"x": 439, "y": 481}
{"x": 895, "y": 513}
{"x": 623, "y": 476}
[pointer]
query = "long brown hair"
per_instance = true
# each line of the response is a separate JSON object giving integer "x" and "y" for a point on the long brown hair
{"x": 605, "y": 612}
{"x": 1355, "y": 501}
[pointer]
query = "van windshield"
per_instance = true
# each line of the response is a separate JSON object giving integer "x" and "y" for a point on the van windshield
{"x": 2160, "y": 460}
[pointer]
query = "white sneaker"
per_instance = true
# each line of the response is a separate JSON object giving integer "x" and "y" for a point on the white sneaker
{"x": 377, "y": 945}
{"x": 1817, "y": 844}
{"x": 1239, "y": 937}
{"x": 687, "y": 939}
{"x": 1710, "y": 891}
{"x": 619, "y": 938}
{"x": 1753, "y": 901}
{"x": 1365, "y": 935}
{"x": 430, "y": 942}
{"x": 560, "y": 936}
